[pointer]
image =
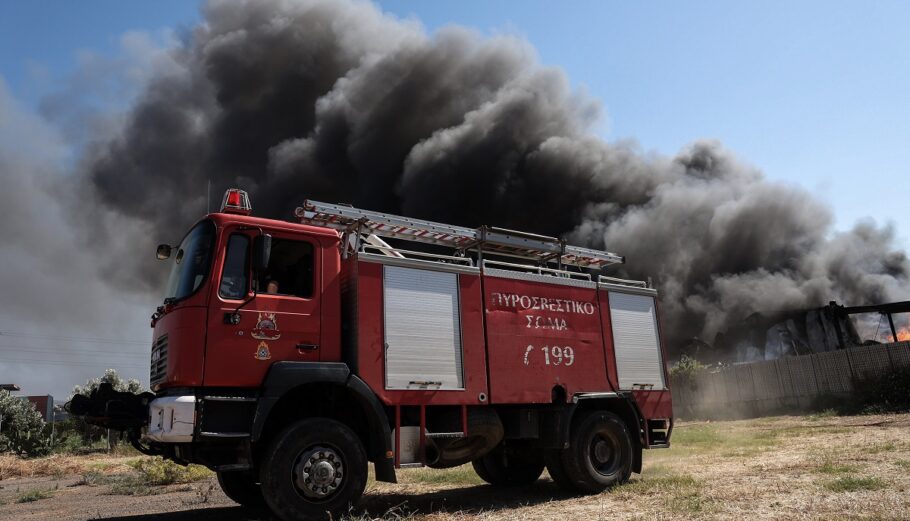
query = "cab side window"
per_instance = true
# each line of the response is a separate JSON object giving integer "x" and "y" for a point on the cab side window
{"x": 234, "y": 277}
{"x": 290, "y": 270}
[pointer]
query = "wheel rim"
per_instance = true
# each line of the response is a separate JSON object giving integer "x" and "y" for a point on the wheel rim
{"x": 604, "y": 453}
{"x": 319, "y": 472}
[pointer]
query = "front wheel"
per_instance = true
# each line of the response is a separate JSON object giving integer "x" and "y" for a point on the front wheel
{"x": 509, "y": 468}
{"x": 240, "y": 487}
{"x": 599, "y": 454}
{"x": 314, "y": 469}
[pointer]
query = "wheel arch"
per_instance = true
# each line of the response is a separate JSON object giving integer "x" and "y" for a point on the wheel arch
{"x": 295, "y": 390}
{"x": 622, "y": 406}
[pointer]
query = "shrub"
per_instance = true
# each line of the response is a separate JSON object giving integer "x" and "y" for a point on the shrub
{"x": 157, "y": 471}
{"x": 684, "y": 371}
{"x": 22, "y": 430}
{"x": 873, "y": 395}
{"x": 888, "y": 393}
{"x": 34, "y": 495}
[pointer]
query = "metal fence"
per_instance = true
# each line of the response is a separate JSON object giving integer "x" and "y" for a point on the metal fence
{"x": 786, "y": 384}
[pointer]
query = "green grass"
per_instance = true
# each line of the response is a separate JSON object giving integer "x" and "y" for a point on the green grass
{"x": 34, "y": 495}
{"x": 853, "y": 484}
{"x": 903, "y": 463}
{"x": 668, "y": 483}
{"x": 697, "y": 436}
{"x": 724, "y": 440}
{"x": 881, "y": 447}
{"x": 463, "y": 475}
{"x": 827, "y": 413}
{"x": 829, "y": 467}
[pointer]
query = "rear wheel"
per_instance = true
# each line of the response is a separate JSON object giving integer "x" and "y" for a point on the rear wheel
{"x": 553, "y": 460}
{"x": 314, "y": 469}
{"x": 241, "y": 488}
{"x": 505, "y": 468}
{"x": 599, "y": 454}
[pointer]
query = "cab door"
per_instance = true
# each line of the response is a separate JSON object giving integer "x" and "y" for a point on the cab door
{"x": 281, "y": 320}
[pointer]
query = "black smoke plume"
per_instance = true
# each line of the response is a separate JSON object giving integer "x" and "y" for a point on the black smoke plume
{"x": 338, "y": 102}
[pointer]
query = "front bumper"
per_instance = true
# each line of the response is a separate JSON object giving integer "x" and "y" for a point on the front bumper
{"x": 167, "y": 419}
{"x": 172, "y": 419}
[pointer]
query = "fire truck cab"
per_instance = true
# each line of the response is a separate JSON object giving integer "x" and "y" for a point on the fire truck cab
{"x": 289, "y": 355}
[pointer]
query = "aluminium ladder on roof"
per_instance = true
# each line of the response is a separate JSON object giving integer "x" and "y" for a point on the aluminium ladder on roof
{"x": 486, "y": 239}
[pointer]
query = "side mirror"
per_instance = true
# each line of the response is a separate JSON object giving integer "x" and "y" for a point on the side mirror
{"x": 164, "y": 252}
{"x": 262, "y": 250}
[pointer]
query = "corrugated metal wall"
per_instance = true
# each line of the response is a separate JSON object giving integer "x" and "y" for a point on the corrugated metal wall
{"x": 782, "y": 385}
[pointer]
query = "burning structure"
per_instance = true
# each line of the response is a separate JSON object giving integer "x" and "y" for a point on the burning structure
{"x": 792, "y": 333}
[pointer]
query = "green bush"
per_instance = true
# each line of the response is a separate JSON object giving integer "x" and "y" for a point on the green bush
{"x": 684, "y": 371}
{"x": 22, "y": 430}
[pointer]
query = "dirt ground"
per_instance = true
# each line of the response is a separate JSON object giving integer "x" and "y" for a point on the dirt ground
{"x": 811, "y": 467}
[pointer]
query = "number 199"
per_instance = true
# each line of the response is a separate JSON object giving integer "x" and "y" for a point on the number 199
{"x": 556, "y": 355}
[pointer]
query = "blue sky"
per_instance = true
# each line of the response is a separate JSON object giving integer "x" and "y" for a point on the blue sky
{"x": 813, "y": 93}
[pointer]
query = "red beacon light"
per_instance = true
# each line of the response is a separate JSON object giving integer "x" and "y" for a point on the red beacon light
{"x": 236, "y": 201}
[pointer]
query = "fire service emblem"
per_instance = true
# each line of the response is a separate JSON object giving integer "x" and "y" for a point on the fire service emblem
{"x": 262, "y": 352}
{"x": 266, "y": 327}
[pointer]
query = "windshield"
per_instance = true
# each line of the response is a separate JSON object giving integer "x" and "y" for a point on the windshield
{"x": 191, "y": 262}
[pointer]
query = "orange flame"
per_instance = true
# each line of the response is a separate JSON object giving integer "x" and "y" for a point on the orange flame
{"x": 903, "y": 334}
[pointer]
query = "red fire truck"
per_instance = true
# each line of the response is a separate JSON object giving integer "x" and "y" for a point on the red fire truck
{"x": 288, "y": 355}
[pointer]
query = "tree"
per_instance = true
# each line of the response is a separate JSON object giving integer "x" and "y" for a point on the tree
{"x": 91, "y": 433}
{"x": 22, "y": 430}
{"x": 110, "y": 376}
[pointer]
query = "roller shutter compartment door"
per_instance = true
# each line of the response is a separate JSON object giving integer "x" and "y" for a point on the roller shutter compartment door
{"x": 635, "y": 341}
{"x": 422, "y": 329}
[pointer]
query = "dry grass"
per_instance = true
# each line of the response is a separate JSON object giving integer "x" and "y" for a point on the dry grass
{"x": 124, "y": 475}
{"x": 58, "y": 465}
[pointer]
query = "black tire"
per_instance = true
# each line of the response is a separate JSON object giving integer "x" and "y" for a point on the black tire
{"x": 553, "y": 460}
{"x": 314, "y": 469}
{"x": 599, "y": 454}
{"x": 509, "y": 468}
{"x": 241, "y": 488}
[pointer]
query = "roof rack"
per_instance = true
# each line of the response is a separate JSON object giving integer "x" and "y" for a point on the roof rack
{"x": 484, "y": 240}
